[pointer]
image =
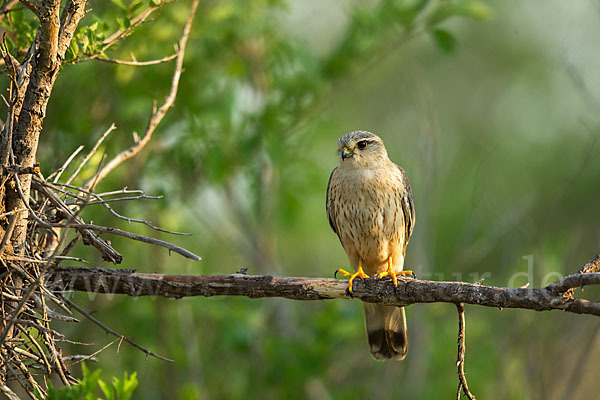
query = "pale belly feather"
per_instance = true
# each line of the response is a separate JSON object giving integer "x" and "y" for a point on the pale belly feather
{"x": 372, "y": 216}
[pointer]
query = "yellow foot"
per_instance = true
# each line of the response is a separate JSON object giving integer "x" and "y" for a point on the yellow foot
{"x": 359, "y": 273}
{"x": 390, "y": 272}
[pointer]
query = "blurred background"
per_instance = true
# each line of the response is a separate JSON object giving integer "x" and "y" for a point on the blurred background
{"x": 490, "y": 107}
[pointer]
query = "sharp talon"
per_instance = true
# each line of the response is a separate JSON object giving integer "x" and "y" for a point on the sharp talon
{"x": 390, "y": 272}
{"x": 359, "y": 273}
{"x": 341, "y": 271}
{"x": 407, "y": 272}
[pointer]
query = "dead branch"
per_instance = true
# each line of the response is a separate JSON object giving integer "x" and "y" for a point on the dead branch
{"x": 108, "y": 253}
{"x": 157, "y": 114}
{"x": 31, "y": 206}
{"x": 409, "y": 291}
{"x": 91, "y": 153}
{"x": 113, "y": 332}
{"x": 136, "y": 63}
{"x": 100, "y": 200}
{"x": 115, "y": 231}
{"x": 460, "y": 360}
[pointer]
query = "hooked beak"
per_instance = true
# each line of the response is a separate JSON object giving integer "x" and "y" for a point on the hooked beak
{"x": 346, "y": 152}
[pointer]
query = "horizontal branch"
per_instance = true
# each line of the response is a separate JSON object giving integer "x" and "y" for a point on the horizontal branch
{"x": 409, "y": 291}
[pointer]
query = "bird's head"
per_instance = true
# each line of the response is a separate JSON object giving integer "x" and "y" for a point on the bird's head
{"x": 361, "y": 149}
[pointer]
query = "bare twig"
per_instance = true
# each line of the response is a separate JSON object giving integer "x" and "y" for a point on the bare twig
{"x": 138, "y": 63}
{"x": 25, "y": 201}
{"x": 37, "y": 346}
{"x": 59, "y": 172}
{"x": 106, "y": 229}
{"x": 28, "y": 293}
{"x": 113, "y": 332}
{"x": 460, "y": 360}
{"x": 91, "y": 153}
{"x": 100, "y": 200}
{"x": 80, "y": 358}
{"x": 157, "y": 114}
{"x": 108, "y": 253}
{"x": 126, "y": 198}
{"x": 10, "y": 395}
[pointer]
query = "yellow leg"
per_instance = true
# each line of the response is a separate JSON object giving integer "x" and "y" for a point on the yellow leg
{"x": 359, "y": 273}
{"x": 390, "y": 272}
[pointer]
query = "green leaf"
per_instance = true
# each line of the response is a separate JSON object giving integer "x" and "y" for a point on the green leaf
{"x": 107, "y": 390}
{"x": 444, "y": 40}
{"x": 124, "y": 388}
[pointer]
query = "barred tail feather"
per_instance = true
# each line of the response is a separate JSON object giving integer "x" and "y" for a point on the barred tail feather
{"x": 386, "y": 331}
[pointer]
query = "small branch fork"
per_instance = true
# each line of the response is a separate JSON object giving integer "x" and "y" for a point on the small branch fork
{"x": 556, "y": 296}
{"x": 157, "y": 114}
{"x": 37, "y": 214}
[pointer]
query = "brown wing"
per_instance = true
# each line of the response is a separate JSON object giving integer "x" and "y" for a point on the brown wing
{"x": 408, "y": 208}
{"x": 329, "y": 205}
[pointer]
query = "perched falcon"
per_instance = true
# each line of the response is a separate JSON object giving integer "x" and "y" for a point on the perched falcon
{"x": 370, "y": 207}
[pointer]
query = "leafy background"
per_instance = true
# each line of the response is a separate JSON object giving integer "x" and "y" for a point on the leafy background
{"x": 490, "y": 107}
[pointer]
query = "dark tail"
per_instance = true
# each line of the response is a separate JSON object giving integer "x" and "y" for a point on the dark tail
{"x": 386, "y": 331}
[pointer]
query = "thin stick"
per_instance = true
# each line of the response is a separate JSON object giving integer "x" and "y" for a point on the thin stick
{"x": 129, "y": 235}
{"x": 138, "y": 63}
{"x": 60, "y": 171}
{"x": 157, "y": 114}
{"x": 26, "y": 201}
{"x": 113, "y": 332}
{"x": 108, "y": 253}
{"x": 80, "y": 358}
{"x": 460, "y": 361}
{"x": 100, "y": 200}
{"x": 36, "y": 282}
{"x": 10, "y": 395}
{"x": 91, "y": 153}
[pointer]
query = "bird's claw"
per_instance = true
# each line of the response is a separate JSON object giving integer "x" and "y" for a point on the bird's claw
{"x": 341, "y": 271}
{"x": 393, "y": 274}
{"x": 359, "y": 273}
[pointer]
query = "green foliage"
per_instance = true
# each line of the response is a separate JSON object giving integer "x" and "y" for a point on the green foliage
{"x": 119, "y": 389}
{"x": 493, "y": 142}
{"x": 444, "y": 40}
{"x": 88, "y": 39}
{"x": 22, "y": 24}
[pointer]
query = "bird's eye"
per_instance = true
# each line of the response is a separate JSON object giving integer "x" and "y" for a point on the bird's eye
{"x": 362, "y": 144}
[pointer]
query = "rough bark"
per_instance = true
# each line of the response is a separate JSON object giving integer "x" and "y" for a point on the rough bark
{"x": 37, "y": 73}
{"x": 408, "y": 291}
{"x": 31, "y": 86}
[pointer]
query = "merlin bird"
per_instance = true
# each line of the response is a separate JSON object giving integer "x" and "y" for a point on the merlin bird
{"x": 370, "y": 207}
